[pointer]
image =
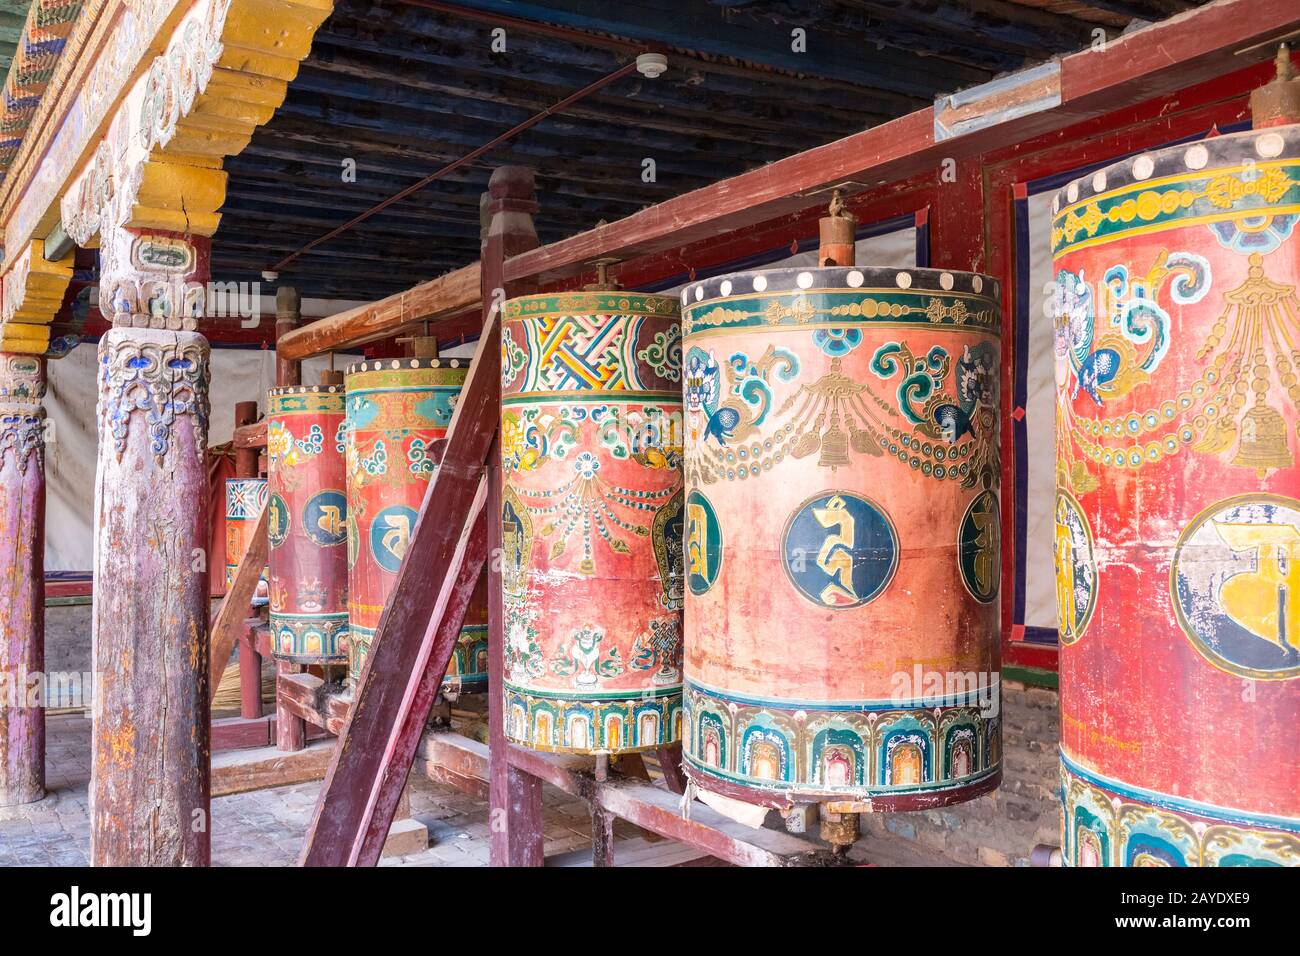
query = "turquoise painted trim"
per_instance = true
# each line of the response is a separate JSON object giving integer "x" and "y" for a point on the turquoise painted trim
{"x": 309, "y": 617}
{"x": 593, "y": 396}
{"x": 859, "y": 791}
{"x": 788, "y": 703}
{"x": 580, "y": 696}
{"x": 1180, "y": 804}
{"x": 449, "y": 389}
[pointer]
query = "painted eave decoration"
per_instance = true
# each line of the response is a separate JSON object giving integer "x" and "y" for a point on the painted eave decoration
{"x": 42, "y": 41}
{"x": 135, "y": 134}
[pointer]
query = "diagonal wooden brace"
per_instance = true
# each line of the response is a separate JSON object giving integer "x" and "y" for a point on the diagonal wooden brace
{"x": 413, "y": 643}
{"x": 235, "y": 606}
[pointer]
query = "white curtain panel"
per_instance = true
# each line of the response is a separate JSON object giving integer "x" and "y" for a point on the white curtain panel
{"x": 238, "y": 375}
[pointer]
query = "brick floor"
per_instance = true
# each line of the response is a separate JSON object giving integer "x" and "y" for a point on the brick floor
{"x": 262, "y": 828}
{"x": 266, "y": 827}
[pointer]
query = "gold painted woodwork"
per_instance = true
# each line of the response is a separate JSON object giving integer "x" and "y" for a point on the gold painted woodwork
{"x": 31, "y": 292}
{"x": 181, "y": 183}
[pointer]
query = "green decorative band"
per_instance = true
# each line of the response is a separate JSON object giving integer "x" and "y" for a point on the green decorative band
{"x": 589, "y": 303}
{"x": 309, "y": 638}
{"x": 1232, "y": 192}
{"x": 439, "y": 389}
{"x": 408, "y": 364}
{"x": 467, "y": 668}
{"x": 599, "y": 723}
{"x": 305, "y": 399}
{"x": 861, "y": 752}
{"x": 844, "y": 308}
{"x": 1109, "y": 823}
{"x": 590, "y": 396}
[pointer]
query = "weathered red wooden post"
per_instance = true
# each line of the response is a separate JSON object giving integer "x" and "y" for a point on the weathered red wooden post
{"x": 22, "y": 577}
{"x": 515, "y": 797}
{"x": 149, "y": 786}
{"x": 287, "y": 315}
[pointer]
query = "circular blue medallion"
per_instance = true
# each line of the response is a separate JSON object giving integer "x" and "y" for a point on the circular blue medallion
{"x": 325, "y": 519}
{"x": 390, "y": 535}
{"x": 840, "y": 550}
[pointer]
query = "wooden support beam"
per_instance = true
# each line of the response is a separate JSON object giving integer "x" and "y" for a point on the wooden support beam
{"x": 232, "y": 615}
{"x": 1205, "y": 43}
{"x": 290, "y": 728}
{"x": 246, "y": 455}
{"x": 288, "y": 312}
{"x": 424, "y": 610}
{"x": 250, "y": 436}
{"x": 239, "y": 771}
{"x": 378, "y": 739}
{"x": 438, "y": 298}
{"x": 515, "y": 798}
{"x": 309, "y": 697}
{"x": 22, "y": 577}
{"x": 670, "y": 762}
{"x": 250, "y": 672}
{"x": 650, "y": 807}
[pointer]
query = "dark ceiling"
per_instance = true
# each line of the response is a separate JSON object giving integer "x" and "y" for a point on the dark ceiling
{"x": 403, "y": 88}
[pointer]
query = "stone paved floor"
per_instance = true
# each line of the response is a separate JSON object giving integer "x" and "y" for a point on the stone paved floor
{"x": 265, "y": 827}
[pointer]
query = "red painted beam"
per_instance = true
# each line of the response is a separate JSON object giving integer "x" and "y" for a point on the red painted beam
{"x": 514, "y": 798}
{"x": 1167, "y": 56}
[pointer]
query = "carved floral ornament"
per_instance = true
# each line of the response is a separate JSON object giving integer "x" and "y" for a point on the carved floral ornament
{"x": 104, "y": 193}
{"x": 14, "y": 288}
{"x": 162, "y": 374}
{"x": 22, "y": 419}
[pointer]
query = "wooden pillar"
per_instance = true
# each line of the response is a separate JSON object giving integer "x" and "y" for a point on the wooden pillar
{"x": 515, "y": 797}
{"x": 149, "y": 785}
{"x": 290, "y": 729}
{"x": 250, "y": 661}
{"x": 288, "y": 313}
{"x": 22, "y": 579}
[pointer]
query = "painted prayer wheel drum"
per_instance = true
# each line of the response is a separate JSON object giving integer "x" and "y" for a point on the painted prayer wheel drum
{"x": 397, "y": 410}
{"x": 245, "y": 499}
{"x": 306, "y": 527}
{"x": 591, "y": 416}
{"x": 1177, "y": 330}
{"x": 842, "y": 535}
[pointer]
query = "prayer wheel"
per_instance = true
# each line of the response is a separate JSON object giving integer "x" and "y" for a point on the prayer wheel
{"x": 398, "y": 413}
{"x": 1177, "y": 348}
{"x": 307, "y": 516}
{"x": 591, "y": 519}
{"x": 245, "y": 499}
{"x": 842, "y": 467}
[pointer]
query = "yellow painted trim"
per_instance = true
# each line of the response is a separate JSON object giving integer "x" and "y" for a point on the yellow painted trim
{"x": 31, "y": 292}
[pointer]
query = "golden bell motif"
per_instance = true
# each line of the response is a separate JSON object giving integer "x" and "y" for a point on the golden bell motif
{"x": 1263, "y": 441}
{"x": 835, "y": 445}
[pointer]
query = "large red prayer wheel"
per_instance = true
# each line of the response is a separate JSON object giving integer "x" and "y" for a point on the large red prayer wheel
{"x": 306, "y": 527}
{"x": 591, "y": 521}
{"x": 398, "y": 412}
{"x": 842, "y": 536}
{"x": 1177, "y": 525}
{"x": 245, "y": 499}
